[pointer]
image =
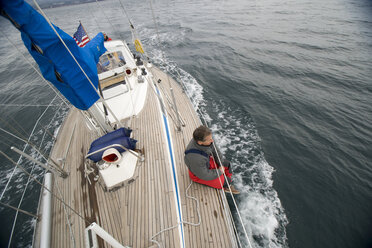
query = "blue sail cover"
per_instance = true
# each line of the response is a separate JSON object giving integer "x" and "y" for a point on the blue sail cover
{"x": 55, "y": 62}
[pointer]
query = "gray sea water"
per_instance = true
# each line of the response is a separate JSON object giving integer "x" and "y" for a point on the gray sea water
{"x": 285, "y": 85}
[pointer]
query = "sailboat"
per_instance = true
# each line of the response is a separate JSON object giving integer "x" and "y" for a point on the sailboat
{"x": 116, "y": 176}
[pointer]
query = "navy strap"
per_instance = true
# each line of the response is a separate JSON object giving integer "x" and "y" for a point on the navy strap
{"x": 196, "y": 151}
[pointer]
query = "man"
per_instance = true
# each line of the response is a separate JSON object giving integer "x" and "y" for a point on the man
{"x": 202, "y": 165}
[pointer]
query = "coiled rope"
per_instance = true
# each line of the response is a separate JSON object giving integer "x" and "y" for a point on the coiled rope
{"x": 183, "y": 221}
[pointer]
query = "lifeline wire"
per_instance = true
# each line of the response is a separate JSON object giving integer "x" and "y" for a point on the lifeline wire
{"x": 240, "y": 218}
{"x": 233, "y": 198}
{"x": 202, "y": 115}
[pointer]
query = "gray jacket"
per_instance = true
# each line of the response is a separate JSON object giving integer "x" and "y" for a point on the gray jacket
{"x": 199, "y": 164}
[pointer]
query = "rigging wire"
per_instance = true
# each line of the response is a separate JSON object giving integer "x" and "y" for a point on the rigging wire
{"x": 46, "y": 128}
{"x": 19, "y": 204}
{"x": 50, "y": 191}
{"x": 100, "y": 7}
{"x": 13, "y": 129}
{"x": 126, "y": 14}
{"x": 28, "y": 142}
{"x": 19, "y": 210}
{"x": 134, "y": 33}
{"x": 24, "y": 191}
{"x": 18, "y": 126}
{"x": 95, "y": 19}
{"x": 25, "y": 105}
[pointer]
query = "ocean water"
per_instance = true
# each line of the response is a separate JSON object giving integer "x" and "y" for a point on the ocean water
{"x": 285, "y": 86}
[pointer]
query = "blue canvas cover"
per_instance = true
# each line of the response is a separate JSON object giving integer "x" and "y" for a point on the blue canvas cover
{"x": 117, "y": 137}
{"x": 54, "y": 57}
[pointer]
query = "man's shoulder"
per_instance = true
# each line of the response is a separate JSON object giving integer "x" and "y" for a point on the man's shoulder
{"x": 191, "y": 145}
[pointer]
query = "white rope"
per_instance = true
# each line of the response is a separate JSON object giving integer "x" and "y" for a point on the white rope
{"x": 60, "y": 38}
{"x": 183, "y": 221}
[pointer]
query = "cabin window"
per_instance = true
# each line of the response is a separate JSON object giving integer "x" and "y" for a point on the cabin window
{"x": 110, "y": 61}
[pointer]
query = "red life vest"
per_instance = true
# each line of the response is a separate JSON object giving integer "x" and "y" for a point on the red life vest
{"x": 215, "y": 183}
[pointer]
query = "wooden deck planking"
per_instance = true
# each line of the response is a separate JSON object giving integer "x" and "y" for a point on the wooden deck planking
{"x": 134, "y": 213}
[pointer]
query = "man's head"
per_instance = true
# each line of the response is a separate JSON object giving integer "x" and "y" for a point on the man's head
{"x": 203, "y": 136}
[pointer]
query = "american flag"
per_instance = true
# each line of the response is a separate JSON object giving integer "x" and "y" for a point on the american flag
{"x": 81, "y": 37}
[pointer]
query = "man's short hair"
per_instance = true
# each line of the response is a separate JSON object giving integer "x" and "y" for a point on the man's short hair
{"x": 201, "y": 133}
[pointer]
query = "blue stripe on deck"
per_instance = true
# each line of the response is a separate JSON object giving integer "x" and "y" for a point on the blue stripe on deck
{"x": 173, "y": 166}
{"x": 174, "y": 176}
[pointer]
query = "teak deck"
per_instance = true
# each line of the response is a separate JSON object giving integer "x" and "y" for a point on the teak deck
{"x": 132, "y": 214}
